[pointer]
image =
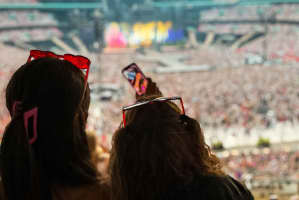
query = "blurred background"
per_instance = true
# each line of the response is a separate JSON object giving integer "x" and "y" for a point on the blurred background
{"x": 234, "y": 63}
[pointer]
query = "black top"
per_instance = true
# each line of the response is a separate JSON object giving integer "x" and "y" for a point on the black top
{"x": 210, "y": 188}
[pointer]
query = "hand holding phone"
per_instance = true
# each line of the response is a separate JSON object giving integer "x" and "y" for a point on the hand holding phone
{"x": 152, "y": 89}
{"x": 136, "y": 78}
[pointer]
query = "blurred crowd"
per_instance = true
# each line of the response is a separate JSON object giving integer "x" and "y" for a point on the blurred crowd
{"x": 233, "y": 95}
{"x": 233, "y": 13}
{"x": 286, "y": 49}
{"x": 230, "y": 95}
{"x": 253, "y": 12}
{"x": 247, "y": 96}
{"x": 270, "y": 164}
{"x": 23, "y": 18}
{"x": 10, "y": 58}
{"x": 11, "y": 19}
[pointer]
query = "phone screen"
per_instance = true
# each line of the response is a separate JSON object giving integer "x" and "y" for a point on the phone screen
{"x": 136, "y": 78}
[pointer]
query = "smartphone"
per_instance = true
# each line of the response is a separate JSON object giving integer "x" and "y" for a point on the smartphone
{"x": 136, "y": 78}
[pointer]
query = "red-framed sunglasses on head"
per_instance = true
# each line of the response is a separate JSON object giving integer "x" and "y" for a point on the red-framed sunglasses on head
{"x": 159, "y": 99}
{"x": 80, "y": 62}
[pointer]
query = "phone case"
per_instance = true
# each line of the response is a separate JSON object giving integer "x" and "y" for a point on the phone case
{"x": 136, "y": 78}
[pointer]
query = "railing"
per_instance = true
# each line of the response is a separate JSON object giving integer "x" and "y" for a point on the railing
{"x": 166, "y": 4}
{"x": 47, "y": 6}
{"x": 218, "y": 4}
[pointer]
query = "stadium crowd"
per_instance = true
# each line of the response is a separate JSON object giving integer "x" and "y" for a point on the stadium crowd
{"x": 276, "y": 165}
{"x": 44, "y": 24}
{"x": 253, "y": 12}
{"x": 68, "y": 169}
{"x": 230, "y": 95}
{"x": 16, "y": 18}
{"x": 284, "y": 50}
{"x": 243, "y": 100}
{"x": 247, "y": 96}
{"x": 221, "y": 98}
{"x": 10, "y": 57}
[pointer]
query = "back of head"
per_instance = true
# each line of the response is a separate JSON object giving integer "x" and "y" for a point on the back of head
{"x": 157, "y": 150}
{"x": 60, "y": 155}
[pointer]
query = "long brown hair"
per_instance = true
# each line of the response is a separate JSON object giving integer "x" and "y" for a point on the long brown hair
{"x": 158, "y": 149}
{"x": 60, "y": 155}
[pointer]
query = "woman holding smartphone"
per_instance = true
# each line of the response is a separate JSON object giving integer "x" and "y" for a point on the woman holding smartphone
{"x": 160, "y": 153}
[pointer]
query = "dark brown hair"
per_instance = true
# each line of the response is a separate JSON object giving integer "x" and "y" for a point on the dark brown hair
{"x": 158, "y": 149}
{"x": 60, "y": 155}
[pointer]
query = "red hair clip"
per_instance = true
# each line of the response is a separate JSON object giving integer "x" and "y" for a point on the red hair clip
{"x": 31, "y": 113}
{"x": 16, "y": 109}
